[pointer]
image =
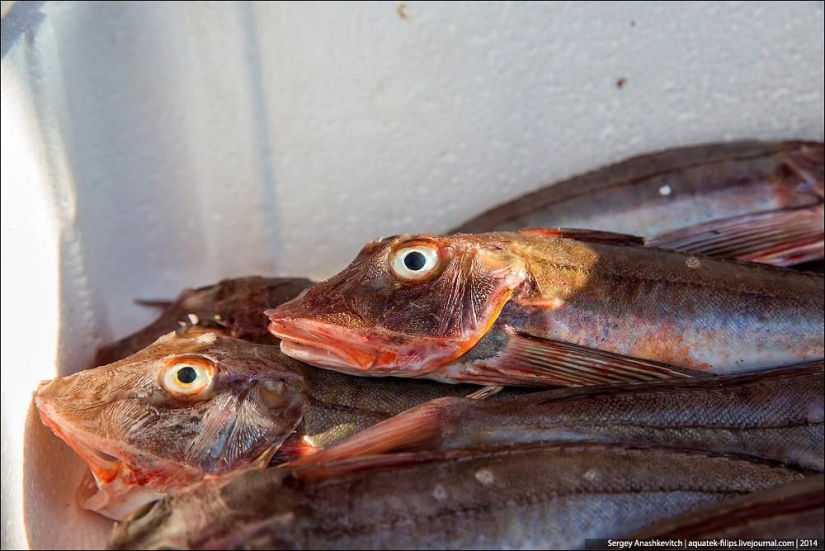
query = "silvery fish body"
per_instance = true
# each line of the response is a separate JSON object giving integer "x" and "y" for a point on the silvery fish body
{"x": 774, "y": 415}
{"x": 546, "y": 497}
{"x": 794, "y": 511}
{"x": 757, "y": 201}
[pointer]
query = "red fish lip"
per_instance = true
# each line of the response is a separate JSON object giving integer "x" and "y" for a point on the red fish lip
{"x": 376, "y": 351}
{"x": 318, "y": 343}
{"x": 316, "y": 355}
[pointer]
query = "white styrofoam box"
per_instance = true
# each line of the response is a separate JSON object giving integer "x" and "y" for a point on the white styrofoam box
{"x": 150, "y": 147}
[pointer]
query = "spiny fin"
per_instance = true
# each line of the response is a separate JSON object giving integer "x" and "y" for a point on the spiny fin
{"x": 593, "y": 236}
{"x": 418, "y": 428}
{"x": 780, "y": 237}
{"x": 807, "y": 370}
{"x": 535, "y": 361}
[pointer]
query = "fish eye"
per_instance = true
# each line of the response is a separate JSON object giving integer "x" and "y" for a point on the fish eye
{"x": 188, "y": 377}
{"x": 414, "y": 262}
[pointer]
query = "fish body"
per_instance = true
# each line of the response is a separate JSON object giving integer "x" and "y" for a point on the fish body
{"x": 232, "y": 307}
{"x": 201, "y": 404}
{"x": 792, "y": 511}
{"x": 545, "y": 497}
{"x": 773, "y": 415}
{"x": 749, "y": 200}
{"x": 550, "y": 307}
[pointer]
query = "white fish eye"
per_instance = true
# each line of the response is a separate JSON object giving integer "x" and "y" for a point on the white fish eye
{"x": 187, "y": 378}
{"x": 414, "y": 262}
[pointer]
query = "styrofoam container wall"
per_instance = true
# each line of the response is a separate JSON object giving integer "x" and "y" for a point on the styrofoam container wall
{"x": 150, "y": 147}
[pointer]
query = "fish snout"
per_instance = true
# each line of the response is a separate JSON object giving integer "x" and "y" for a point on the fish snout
{"x": 290, "y": 308}
{"x": 43, "y": 386}
{"x": 50, "y": 391}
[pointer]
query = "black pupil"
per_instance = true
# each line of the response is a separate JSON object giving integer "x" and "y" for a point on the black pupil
{"x": 414, "y": 261}
{"x": 187, "y": 375}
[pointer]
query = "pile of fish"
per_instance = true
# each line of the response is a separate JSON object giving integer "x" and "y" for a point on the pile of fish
{"x": 635, "y": 352}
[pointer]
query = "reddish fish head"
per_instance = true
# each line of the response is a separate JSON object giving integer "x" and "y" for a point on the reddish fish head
{"x": 405, "y": 306}
{"x": 186, "y": 407}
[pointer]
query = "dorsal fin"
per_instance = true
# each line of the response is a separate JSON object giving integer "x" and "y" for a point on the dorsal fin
{"x": 593, "y": 236}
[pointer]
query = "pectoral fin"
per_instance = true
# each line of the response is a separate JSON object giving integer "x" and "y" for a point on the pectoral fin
{"x": 418, "y": 428}
{"x": 781, "y": 237}
{"x": 534, "y": 361}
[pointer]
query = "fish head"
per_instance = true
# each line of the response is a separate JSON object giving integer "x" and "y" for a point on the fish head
{"x": 406, "y": 305}
{"x": 187, "y": 407}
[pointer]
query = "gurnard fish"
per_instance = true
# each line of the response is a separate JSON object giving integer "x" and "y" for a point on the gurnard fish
{"x": 536, "y": 497}
{"x": 233, "y": 307}
{"x": 550, "y": 307}
{"x": 774, "y": 415}
{"x": 198, "y": 405}
{"x": 754, "y": 201}
{"x": 793, "y": 511}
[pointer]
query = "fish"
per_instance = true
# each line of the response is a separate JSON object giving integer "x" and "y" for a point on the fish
{"x": 233, "y": 307}
{"x": 775, "y": 415}
{"x": 537, "y": 497}
{"x": 200, "y": 404}
{"x": 544, "y": 307}
{"x": 792, "y": 511}
{"x": 757, "y": 201}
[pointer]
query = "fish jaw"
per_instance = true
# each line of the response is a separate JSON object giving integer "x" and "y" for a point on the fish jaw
{"x": 104, "y": 464}
{"x": 326, "y": 345}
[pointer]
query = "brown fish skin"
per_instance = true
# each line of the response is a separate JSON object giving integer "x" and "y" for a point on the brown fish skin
{"x": 763, "y": 187}
{"x": 237, "y": 304}
{"x": 142, "y": 440}
{"x": 794, "y": 511}
{"x": 523, "y": 497}
{"x": 550, "y": 307}
{"x": 773, "y": 415}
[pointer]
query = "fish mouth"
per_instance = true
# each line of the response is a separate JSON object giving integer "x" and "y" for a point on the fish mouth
{"x": 103, "y": 464}
{"x": 321, "y": 344}
{"x": 376, "y": 351}
{"x": 317, "y": 355}
{"x": 107, "y": 487}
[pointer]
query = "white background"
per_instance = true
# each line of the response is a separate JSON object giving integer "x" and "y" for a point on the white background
{"x": 150, "y": 147}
